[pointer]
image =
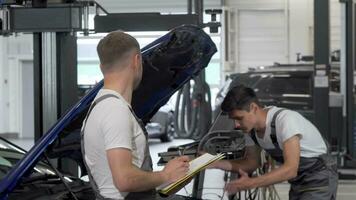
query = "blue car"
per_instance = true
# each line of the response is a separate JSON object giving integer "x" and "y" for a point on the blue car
{"x": 169, "y": 62}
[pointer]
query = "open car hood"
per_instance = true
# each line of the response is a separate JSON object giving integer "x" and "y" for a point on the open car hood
{"x": 168, "y": 63}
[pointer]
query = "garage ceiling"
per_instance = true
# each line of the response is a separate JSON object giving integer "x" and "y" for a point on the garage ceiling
{"x": 163, "y": 6}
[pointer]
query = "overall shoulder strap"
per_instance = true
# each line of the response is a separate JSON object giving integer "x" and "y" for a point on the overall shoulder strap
{"x": 91, "y": 179}
{"x": 253, "y": 137}
{"x": 273, "y": 129}
{"x": 139, "y": 121}
{"x": 96, "y": 101}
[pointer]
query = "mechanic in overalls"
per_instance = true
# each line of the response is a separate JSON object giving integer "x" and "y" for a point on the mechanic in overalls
{"x": 288, "y": 138}
{"x": 114, "y": 141}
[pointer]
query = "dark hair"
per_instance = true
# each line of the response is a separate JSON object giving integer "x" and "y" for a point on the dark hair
{"x": 114, "y": 47}
{"x": 239, "y": 98}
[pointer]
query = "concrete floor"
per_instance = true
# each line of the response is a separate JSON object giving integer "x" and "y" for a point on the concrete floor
{"x": 214, "y": 183}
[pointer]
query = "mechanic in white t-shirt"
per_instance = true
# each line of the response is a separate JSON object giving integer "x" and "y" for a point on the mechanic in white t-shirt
{"x": 114, "y": 142}
{"x": 289, "y": 138}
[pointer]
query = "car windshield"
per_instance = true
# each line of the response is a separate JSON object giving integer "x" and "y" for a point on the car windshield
{"x": 10, "y": 154}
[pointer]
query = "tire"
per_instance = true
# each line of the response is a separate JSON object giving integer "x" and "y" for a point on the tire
{"x": 169, "y": 133}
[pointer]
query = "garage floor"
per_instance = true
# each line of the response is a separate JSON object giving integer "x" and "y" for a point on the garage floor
{"x": 214, "y": 183}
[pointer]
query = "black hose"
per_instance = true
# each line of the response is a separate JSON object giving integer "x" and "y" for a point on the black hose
{"x": 204, "y": 117}
{"x": 193, "y": 114}
{"x": 185, "y": 119}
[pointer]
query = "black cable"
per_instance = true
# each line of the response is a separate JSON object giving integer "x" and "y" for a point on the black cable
{"x": 186, "y": 192}
{"x": 224, "y": 191}
{"x": 60, "y": 175}
{"x": 254, "y": 193}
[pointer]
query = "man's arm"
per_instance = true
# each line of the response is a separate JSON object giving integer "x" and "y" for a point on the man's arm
{"x": 249, "y": 163}
{"x": 129, "y": 178}
{"x": 286, "y": 171}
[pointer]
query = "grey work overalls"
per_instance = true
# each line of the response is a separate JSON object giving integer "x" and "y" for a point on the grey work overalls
{"x": 317, "y": 177}
{"x": 146, "y": 165}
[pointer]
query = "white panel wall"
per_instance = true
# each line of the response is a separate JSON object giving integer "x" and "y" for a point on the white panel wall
{"x": 14, "y": 50}
{"x": 292, "y": 21}
{"x": 300, "y": 28}
{"x": 261, "y": 38}
{"x": 255, "y": 4}
{"x": 14, "y": 81}
{"x": 2, "y": 86}
{"x": 335, "y": 24}
{"x": 258, "y": 34}
{"x": 27, "y": 122}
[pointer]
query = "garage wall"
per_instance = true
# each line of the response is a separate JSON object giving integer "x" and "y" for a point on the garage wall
{"x": 335, "y": 24}
{"x": 266, "y": 31}
{"x": 4, "y": 87}
{"x": 2, "y": 83}
{"x": 287, "y": 23}
{"x": 16, "y": 52}
{"x": 301, "y": 22}
{"x": 262, "y": 41}
{"x": 16, "y": 56}
{"x": 26, "y": 112}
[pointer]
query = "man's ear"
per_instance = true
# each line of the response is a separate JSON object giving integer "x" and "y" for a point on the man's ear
{"x": 253, "y": 107}
{"x": 102, "y": 68}
{"x": 137, "y": 59}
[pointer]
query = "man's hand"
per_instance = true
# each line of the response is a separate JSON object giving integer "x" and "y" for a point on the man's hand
{"x": 243, "y": 183}
{"x": 176, "y": 168}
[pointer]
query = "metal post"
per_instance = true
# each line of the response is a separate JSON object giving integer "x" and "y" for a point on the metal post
{"x": 66, "y": 84}
{"x": 37, "y": 71}
{"x": 350, "y": 66}
{"x": 199, "y": 10}
{"x": 321, "y": 61}
{"x": 55, "y": 82}
{"x": 198, "y": 185}
{"x": 67, "y": 71}
{"x": 199, "y": 179}
{"x": 86, "y": 13}
{"x": 190, "y": 6}
{"x": 49, "y": 80}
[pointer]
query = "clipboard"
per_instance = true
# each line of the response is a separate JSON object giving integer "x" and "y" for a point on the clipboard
{"x": 195, "y": 166}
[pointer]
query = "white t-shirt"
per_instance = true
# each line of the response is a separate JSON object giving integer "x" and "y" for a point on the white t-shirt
{"x": 111, "y": 125}
{"x": 288, "y": 124}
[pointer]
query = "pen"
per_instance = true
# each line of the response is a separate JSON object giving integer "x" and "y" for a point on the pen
{"x": 180, "y": 151}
